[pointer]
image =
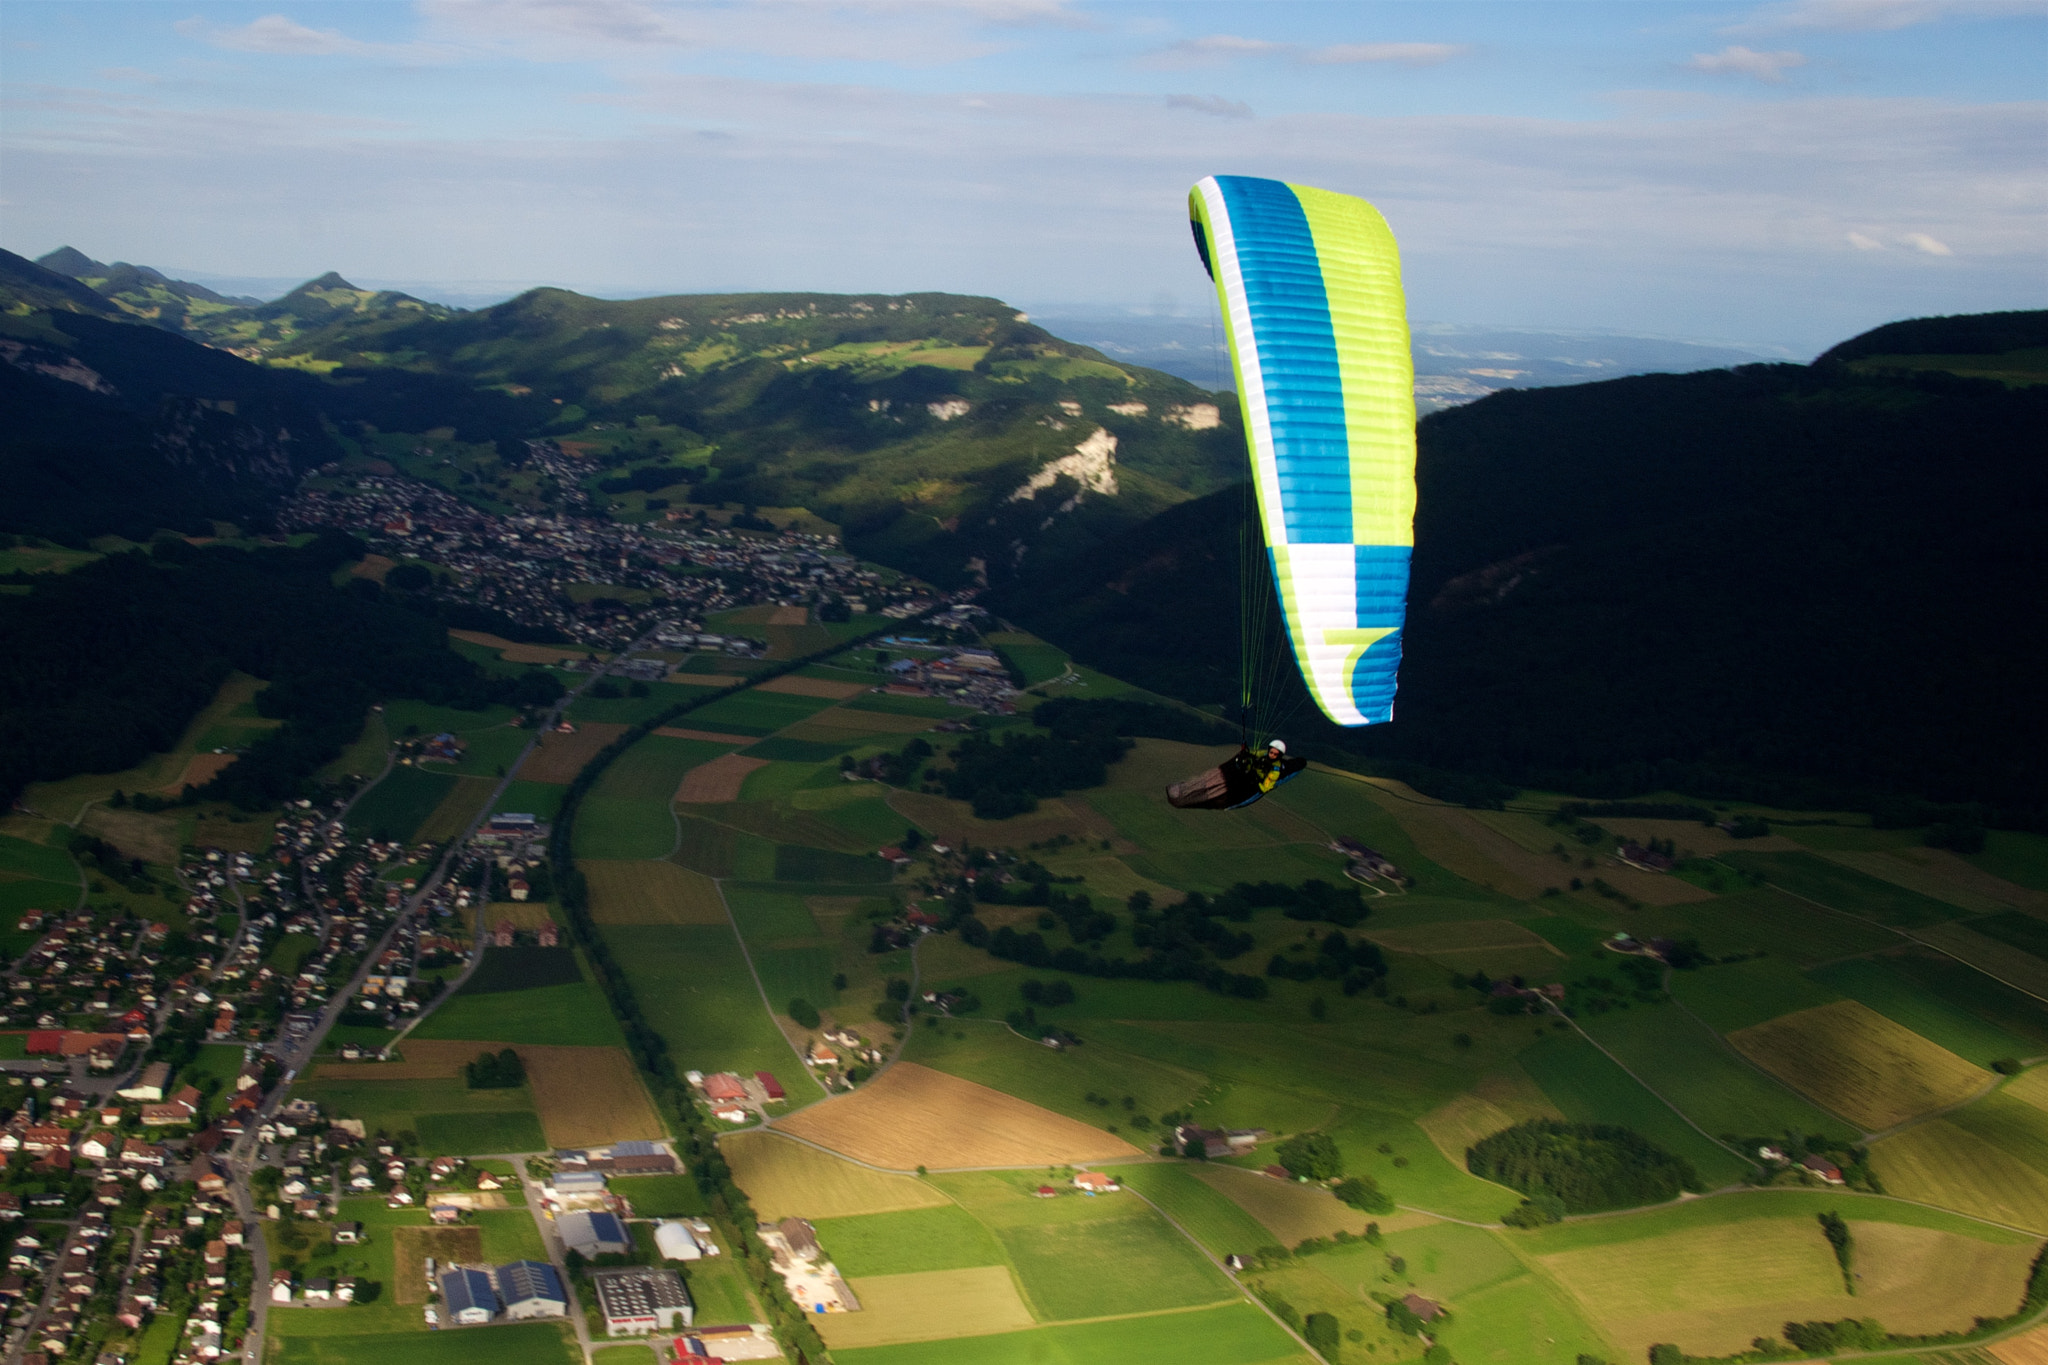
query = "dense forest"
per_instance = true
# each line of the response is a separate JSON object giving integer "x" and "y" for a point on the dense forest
{"x": 1585, "y": 1167}
{"x": 1788, "y": 583}
{"x": 108, "y": 663}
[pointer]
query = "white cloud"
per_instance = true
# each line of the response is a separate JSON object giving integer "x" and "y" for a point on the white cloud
{"x": 1864, "y": 243}
{"x": 1856, "y": 16}
{"x": 1212, "y": 50}
{"x": 276, "y": 34}
{"x": 1743, "y": 61}
{"x": 1920, "y": 241}
{"x": 1404, "y": 54}
{"x": 896, "y": 32}
{"x": 1218, "y": 48}
{"x": 1210, "y": 104}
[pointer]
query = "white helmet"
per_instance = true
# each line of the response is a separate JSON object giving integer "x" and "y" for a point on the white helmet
{"x": 1278, "y": 746}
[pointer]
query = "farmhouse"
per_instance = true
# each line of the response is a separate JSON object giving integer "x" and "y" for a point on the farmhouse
{"x": 636, "y": 1300}
{"x": 593, "y": 1234}
{"x": 1646, "y": 859}
{"x": 1825, "y": 1169}
{"x": 531, "y": 1289}
{"x": 1095, "y": 1182}
{"x": 468, "y": 1295}
{"x": 682, "y": 1242}
{"x": 770, "y": 1086}
{"x": 1425, "y": 1310}
{"x": 1217, "y": 1142}
{"x": 724, "y": 1087}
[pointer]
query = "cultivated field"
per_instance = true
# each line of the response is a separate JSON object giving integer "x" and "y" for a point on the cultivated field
{"x": 412, "y": 1246}
{"x": 787, "y": 1179}
{"x": 420, "y": 1059}
{"x": 1711, "y": 1289}
{"x": 843, "y": 722}
{"x": 199, "y": 770}
{"x": 930, "y": 1305}
{"x": 650, "y": 892}
{"x": 519, "y": 914}
{"x": 1232, "y": 1334}
{"x": 1500, "y": 1100}
{"x": 1999, "y": 960}
{"x": 1854, "y": 1061}
{"x": 560, "y": 757}
{"x": 589, "y": 1095}
{"x": 1289, "y": 1211}
{"x": 708, "y": 736}
{"x": 463, "y": 803}
{"x": 513, "y": 653}
{"x": 1456, "y": 936}
{"x": 911, "y": 1116}
{"x": 2028, "y": 1348}
{"x": 152, "y": 838}
{"x": 718, "y": 781}
{"x": 796, "y": 685}
{"x": 1939, "y": 1162}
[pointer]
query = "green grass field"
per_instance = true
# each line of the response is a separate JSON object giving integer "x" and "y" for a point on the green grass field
{"x": 1231, "y": 1334}
{"x": 1588, "y": 1088}
{"x": 662, "y": 1196}
{"x": 571, "y": 1016}
{"x": 540, "y": 799}
{"x": 1744, "y": 993}
{"x": 1082, "y": 1257}
{"x": 693, "y": 984}
{"x": 1968, "y": 989}
{"x": 400, "y": 804}
{"x": 1688, "y": 1064}
{"x": 506, "y": 1344}
{"x": 756, "y": 712}
{"x": 1210, "y": 1218}
{"x": 632, "y": 710}
{"x": 1843, "y": 888}
{"x": 608, "y": 827}
{"x": 2021, "y": 931}
{"x": 946, "y": 1237}
{"x": 1880, "y": 984}
{"x": 2018, "y": 857}
{"x": 1770, "y": 921}
{"x": 651, "y": 770}
{"x": 450, "y": 1119}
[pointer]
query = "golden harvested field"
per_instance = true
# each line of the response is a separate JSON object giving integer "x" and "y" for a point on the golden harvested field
{"x": 650, "y": 892}
{"x": 930, "y": 1305}
{"x": 1704, "y": 840}
{"x": 1459, "y": 936}
{"x": 797, "y": 686}
{"x": 787, "y": 1179}
{"x": 789, "y": 616}
{"x": 463, "y": 803}
{"x": 373, "y": 567}
{"x": 589, "y": 1095}
{"x": 412, "y": 1246}
{"x": 2015, "y": 968}
{"x": 2030, "y": 1085}
{"x": 709, "y": 736}
{"x": 1291, "y": 1211}
{"x": 718, "y": 781}
{"x": 513, "y": 653}
{"x": 2028, "y": 1348}
{"x": 247, "y": 836}
{"x": 1712, "y": 1289}
{"x": 1939, "y": 862}
{"x": 1939, "y": 1163}
{"x": 913, "y": 1116}
{"x": 560, "y": 757}
{"x": 1849, "y": 1058}
{"x": 1500, "y": 1100}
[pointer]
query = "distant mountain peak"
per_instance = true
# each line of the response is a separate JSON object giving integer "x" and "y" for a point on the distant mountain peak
{"x": 69, "y": 260}
{"x": 331, "y": 280}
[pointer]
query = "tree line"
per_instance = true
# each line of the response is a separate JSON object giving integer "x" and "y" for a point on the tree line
{"x": 1586, "y": 1167}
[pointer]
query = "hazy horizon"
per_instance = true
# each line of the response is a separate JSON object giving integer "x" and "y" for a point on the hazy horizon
{"x": 1783, "y": 174}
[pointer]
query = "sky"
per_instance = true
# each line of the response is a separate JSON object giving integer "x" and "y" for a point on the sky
{"x": 1782, "y": 174}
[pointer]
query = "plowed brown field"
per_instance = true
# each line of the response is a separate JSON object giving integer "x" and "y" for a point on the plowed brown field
{"x": 814, "y": 687}
{"x": 912, "y": 1116}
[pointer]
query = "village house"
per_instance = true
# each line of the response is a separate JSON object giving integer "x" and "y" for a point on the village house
{"x": 531, "y": 1289}
{"x": 1095, "y": 1182}
{"x": 1825, "y": 1169}
{"x": 467, "y": 1295}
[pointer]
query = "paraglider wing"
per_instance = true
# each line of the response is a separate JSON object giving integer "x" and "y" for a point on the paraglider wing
{"x": 1310, "y": 283}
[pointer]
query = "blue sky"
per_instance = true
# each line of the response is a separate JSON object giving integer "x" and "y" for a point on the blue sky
{"x": 1783, "y": 173}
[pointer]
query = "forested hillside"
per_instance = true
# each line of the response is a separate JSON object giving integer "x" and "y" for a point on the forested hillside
{"x": 1779, "y": 582}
